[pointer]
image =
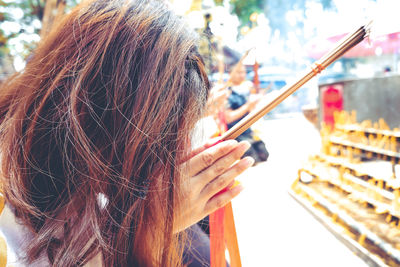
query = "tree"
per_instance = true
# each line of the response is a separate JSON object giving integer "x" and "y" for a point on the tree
{"x": 243, "y": 9}
{"x": 53, "y": 10}
{"x": 22, "y": 22}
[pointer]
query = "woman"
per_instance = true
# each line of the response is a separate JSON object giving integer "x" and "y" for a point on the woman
{"x": 95, "y": 140}
{"x": 240, "y": 103}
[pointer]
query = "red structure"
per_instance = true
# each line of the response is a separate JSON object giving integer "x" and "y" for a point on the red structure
{"x": 256, "y": 79}
{"x": 332, "y": 100}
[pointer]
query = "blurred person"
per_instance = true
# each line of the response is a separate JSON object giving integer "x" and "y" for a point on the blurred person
{"x": 212, "y": 124}
{"x": 96, "y": 161}
{"x": 217, "y": 99}
{"x": 240, "y": 103}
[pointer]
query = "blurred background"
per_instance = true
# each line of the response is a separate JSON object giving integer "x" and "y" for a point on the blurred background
{"x": 328, "y": 195}
{"x": 285, "y": 37}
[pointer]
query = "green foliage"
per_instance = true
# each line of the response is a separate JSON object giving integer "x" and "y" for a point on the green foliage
{"x": 219, "y": 2}
{"x": 27, "y": 15}
{"x": 243, "y": 9}
{"x": 30, "y": 12}
{"x": 34, "y": 9}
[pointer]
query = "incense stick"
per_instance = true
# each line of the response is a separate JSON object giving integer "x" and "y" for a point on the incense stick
{"x": 344, "y": 45}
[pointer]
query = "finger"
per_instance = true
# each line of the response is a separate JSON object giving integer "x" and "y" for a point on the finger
{"x": 209, "y": 143}
{"x": 220, "y": 95}
{"x": 207, "y": 157}
{"x": 224, "y": 180}
{"x": 221, "y": 200}
{"x": 223, "y": 164}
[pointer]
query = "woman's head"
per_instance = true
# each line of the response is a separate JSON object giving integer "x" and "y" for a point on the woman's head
{"x": 238, "y": 74}
{"x": 102, "y": 114}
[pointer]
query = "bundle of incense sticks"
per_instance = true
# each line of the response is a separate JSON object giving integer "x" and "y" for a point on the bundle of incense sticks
{"x": 344, "y": 45}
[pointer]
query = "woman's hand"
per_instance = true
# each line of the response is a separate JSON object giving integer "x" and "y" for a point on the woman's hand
{"x": 254, "y": 99}
{"x": 210, "y": 170}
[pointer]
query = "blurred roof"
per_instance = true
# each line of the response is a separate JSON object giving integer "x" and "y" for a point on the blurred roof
{"x": 385, "y": 44}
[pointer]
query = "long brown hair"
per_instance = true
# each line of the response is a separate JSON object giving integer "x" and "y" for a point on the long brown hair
{"x": 92, "y": 132}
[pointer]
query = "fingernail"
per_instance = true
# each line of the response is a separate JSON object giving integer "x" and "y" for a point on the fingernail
{"x": 235, "y": 183}
{"x": 231, "y": 184}
{"x": 238, "y": 188}
{"x": 231, "y": 143}
{"x": 249, "y": 161}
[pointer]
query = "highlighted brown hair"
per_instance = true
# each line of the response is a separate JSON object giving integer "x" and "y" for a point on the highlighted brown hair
{"x": 92, "y": 132}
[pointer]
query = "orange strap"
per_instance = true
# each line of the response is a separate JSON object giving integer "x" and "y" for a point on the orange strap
{"x": 222, "y": 229}
{"x": 217, "y": 240}
{"x": 231, "y": 237}
{"x": 222, "y": 237}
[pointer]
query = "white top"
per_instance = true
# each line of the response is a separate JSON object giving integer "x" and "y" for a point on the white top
{"x": 16, "y": 237}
